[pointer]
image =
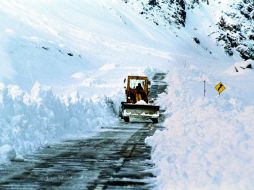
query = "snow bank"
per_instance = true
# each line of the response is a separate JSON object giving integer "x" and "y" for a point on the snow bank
{"x": 30, "y": 120}
{"x": 208, "y": 142}
{"x": 7, "y": 153}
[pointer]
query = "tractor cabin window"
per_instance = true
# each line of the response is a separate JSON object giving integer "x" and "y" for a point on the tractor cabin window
{"x": 134, "y": 83}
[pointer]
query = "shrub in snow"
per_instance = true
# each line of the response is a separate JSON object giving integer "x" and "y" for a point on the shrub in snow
{"x": 152, "y": 2}
{"x": 249, "y": 66}
{"x": 196, "y": 40}
{"x": 240, "y": 67}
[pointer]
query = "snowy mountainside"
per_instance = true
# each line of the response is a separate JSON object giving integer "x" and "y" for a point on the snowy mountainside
{"x": 236, "y": 33}
{"x": 231, "y": 20}
{"x": 100, "y": 42}
{"x": 163, "y": 13}
{"x": 87, "y": 48}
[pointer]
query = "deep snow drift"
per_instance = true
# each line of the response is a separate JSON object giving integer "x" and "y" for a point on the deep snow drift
{"x": 90, "y": 46}
{"x": 208, "y": 142}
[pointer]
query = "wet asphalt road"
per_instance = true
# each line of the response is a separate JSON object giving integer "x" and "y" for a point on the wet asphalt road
{"x": 115, "y": 158}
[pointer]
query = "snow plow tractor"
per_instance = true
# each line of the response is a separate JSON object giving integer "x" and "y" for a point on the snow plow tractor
{"x": 137, "y": 104}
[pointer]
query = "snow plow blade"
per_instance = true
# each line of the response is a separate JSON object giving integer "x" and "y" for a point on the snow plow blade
{"x": 140, "y": 111}
{"x": 140, "y": 106}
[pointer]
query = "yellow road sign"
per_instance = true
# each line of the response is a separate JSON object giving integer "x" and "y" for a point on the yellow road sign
{"x": 220, "y": 87}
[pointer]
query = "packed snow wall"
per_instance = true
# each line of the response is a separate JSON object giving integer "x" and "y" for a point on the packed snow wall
{"x": 31, "y": 120}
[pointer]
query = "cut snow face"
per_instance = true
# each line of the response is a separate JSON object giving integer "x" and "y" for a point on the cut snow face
{"x": 208, "y": 142}
{"x": 7, "y": 153}
{"x": 29, "y": 121}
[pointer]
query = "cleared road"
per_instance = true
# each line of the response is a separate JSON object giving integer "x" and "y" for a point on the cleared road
{"x": 115, "y": 158}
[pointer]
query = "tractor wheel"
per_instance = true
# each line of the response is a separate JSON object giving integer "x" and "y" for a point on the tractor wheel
{"x": 155, "y": 120}
{"x": 120, "y": 114}
{"x": 126, "y": 119}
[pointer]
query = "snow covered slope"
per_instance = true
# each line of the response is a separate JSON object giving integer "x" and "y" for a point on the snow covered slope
{"x": 78, "y": 41}
{"x": 79, "y": 38}
{"x": 90, "y": 46}
{"x": 230, "y": 22}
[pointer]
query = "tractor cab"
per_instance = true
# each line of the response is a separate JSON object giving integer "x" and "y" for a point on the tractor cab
{"x": 137, "y": 89}
{"x": 137, "y": 102}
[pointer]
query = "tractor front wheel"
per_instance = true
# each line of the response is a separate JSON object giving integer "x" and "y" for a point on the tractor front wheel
{"x": 155, "y": 120}
{"x": 126, "y": 119}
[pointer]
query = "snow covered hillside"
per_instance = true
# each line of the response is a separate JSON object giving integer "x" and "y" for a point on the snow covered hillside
{"x": 230, "y": 22}
{"x": 91, "y": 46}
{"x": 73, "y": 44}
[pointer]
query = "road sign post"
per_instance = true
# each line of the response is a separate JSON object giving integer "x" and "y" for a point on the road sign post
{"x": 204, "y": 87}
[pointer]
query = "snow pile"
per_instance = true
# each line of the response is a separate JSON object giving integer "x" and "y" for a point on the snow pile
{"x": 208, "y": 142}
{"x": 141, "y": 102}
{"x": 40, "y": 117}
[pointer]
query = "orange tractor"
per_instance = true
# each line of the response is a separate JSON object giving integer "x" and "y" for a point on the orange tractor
{"x": 138, "y": 104}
